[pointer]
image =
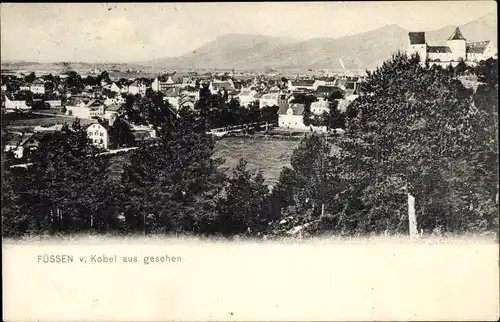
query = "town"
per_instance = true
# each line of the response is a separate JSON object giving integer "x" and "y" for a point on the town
{"x": 100, "y": 100}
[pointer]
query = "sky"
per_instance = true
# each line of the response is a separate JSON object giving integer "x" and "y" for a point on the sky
{"x": 128, "y": 32}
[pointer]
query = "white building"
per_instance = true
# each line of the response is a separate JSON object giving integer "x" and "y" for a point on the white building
{"x": 83, "y": 110}
{"x": 37, "y": 87}
{"x": 137, "y": 88}
{"x": 172, "y": 95}
{"x": 302, "y": 84}
{"x": 111, "y": 111}
{"x": 216, "y": 86}
{"x": 162, "y": 85}
{"x": 320, "y": 106}
{"x": 290, "y": 117}
{"x": 54, "y": 103}
{"x": 19, "y": 144}
{"x": 24, "y": 87}
{"x": 99, "y": 135}
{"x": 118, "y": 99}
{"x": 16, "y": 105}
{"x": 269, "y": 99}
{"x": 456, "y": 49}
{"x": 246, "y": 97}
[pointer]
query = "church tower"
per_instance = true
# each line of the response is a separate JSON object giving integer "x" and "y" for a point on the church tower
{"x": 417, "y": 44}
{"x": 457, "y": 45}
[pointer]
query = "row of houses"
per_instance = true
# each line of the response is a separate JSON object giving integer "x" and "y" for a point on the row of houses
{"x": 36, "y": 87}
{"x": 92, "y": 108}
{"x": 291, "y": 115}
{"x": 99, "y": 133}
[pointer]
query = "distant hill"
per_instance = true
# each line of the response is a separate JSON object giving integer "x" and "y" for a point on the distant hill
{"x": 359, "y": 51}
{"x": 258, "y": 52}
{"x": 238, "y": 49}
{"x": 484, "y": 28}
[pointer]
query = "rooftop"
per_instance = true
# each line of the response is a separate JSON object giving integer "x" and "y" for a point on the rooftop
{"x": 417, "y": 38}
{"x": 438, "y": 49}
{"x": 477, "y": 47}
{"x": 457, "y": 35}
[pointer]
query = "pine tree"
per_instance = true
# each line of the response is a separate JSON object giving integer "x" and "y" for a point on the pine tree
{"x": 308, "y": 185}
{"x": 63, "y": 190}
{"x": 410, "y": 136}
{"x": 170, "y": 185}
{"x": 245, "y": 207}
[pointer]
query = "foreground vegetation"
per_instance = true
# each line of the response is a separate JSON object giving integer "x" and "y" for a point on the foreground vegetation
{"x": 416, "y": 130}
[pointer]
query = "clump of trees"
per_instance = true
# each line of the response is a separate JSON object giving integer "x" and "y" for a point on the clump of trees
{"x": 431, "y": 137}
{"x": 61, "y": 191}
{"x": 220, "y": 110}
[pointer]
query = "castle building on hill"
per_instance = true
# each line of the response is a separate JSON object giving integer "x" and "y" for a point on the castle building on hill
{"x": 456, "y": 49}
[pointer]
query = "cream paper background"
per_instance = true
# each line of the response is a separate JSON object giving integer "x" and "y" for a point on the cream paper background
{"x": 316, "y": 280}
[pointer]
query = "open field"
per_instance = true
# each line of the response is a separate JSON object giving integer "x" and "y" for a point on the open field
{"x": 269, "y": 156}
{"x": 33, "y": 120}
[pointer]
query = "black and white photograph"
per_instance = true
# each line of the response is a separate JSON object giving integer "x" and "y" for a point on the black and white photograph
{"x": 250, "y": 161}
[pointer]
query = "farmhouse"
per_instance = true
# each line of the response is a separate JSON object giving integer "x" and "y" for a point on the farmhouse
{"x": 290, "y": 116}
{"x": 115, "y": 88}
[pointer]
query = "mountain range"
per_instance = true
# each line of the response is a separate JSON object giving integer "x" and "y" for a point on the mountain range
{"x": 358, "y": 52}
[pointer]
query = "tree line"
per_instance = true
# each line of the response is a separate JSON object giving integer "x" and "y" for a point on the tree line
{"x": 417, "y": 130}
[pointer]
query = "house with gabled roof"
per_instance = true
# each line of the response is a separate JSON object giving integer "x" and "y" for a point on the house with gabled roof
{"x": 172, "y": 95}
{"x": 112, "y": 111}
{"x": 479, "y": 50}
{"x": 320, "y": 106}
{"x": 270, "y": 99}
{"x": 290, "y": 116}
{"x": 186, "y": 101}
{"x": 99, "y": 134}
{"x": 137, "y": 87}
{"x": 246, "y": 97}
{"x": 216, "y": 86}
{"x": 115, "y": 88}
{"x": 86, "y": 109}
{"x": 20, "y": 144}
{"x": 12, "y": 105}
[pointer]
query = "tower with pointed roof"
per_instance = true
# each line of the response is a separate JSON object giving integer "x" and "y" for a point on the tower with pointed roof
{"x": 457, "y": 44}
